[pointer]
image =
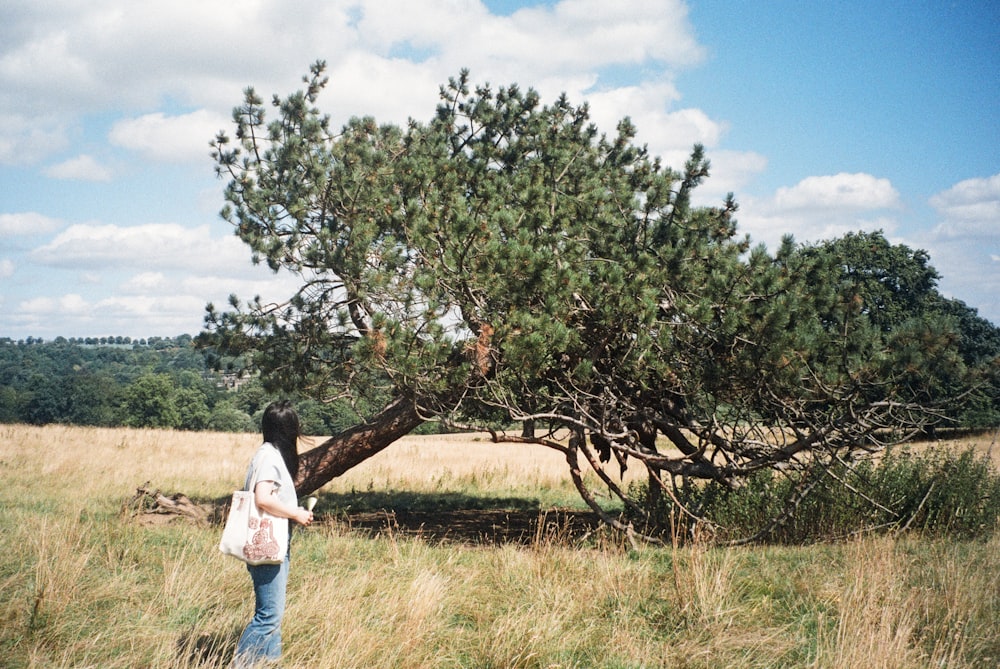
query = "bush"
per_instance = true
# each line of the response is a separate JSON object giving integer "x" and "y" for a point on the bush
{"x": 936, "y": 494}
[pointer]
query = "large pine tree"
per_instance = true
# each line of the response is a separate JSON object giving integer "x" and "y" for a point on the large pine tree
{"x": 506, "y": 263}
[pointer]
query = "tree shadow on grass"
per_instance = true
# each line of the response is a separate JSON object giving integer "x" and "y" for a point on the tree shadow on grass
{"x": 439, "y": 517}
{"x": 207, "y": 650}
{"x": 455, "y": 518}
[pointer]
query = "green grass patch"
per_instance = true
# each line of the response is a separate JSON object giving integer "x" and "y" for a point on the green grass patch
{"x": 89, "y": 586}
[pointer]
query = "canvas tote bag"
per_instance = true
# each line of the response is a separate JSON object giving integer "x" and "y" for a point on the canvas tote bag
{"x": 252, "y": 535}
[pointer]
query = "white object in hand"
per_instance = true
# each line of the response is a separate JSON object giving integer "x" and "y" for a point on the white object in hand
{"x": 311, "y": 502}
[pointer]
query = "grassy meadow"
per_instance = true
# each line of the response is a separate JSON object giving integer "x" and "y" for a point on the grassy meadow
{"x": 84, "y": 584}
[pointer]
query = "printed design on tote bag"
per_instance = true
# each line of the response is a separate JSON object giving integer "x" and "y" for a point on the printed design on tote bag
{"x": 262, "y": 544}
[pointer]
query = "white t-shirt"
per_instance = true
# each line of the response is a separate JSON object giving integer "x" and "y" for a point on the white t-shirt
{"x": 269, "y": 463}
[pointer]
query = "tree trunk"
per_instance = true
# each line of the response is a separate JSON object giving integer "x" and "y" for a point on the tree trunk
{"x": 340, "y": 452}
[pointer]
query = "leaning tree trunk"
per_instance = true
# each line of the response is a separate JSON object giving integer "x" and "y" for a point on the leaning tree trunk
{"x": 342, "y": 451}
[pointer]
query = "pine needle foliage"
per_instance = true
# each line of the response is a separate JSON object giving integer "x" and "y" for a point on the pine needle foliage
{"x": 509, "y": 267}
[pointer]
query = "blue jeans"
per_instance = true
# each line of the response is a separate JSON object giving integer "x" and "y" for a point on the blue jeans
{"x": 261, "y": 640}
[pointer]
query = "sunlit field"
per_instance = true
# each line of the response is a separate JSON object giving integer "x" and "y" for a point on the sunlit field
{"x": 88, "y": 584}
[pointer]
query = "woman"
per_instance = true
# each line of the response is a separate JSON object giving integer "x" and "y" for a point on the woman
{"x": 276, "y": 464}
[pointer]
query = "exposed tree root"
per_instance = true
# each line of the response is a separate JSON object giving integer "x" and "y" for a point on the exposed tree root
{"x": 150, "y": 506}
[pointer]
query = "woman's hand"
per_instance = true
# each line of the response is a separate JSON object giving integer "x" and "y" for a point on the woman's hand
{"x": 265, "y": 494}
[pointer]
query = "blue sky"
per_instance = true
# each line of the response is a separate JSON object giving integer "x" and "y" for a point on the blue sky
{"x": 822, "y": 118}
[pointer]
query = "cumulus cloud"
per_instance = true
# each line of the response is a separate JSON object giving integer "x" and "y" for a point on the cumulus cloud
{"x": 136, "y": 52}
{"x": 571, "y": 35}
{"x": 576, "y": 34}
{"x": 132, "y": 315}
{"x": 359, "y": 83}
{"x": 821, "y": 207}
{"x": 145, "y": 303}
{"x": 838, "y": 192}
{"x": 148, "y": 247}
{"x": 729, "y": 172}
{"x": 964, "y": 245}
{"x": 970, "y": 207}
{"x": 165, "y": 138}
{"x": 27, "y": 140}
{"x": 165, "y": 76}
{"x": 6, "y": 268}
{"x": 81, "y": 168}
{"x": 78, "y": 58}
{"x": 37, "y": 59}
{"x": 140, "y": 280}
{"x": 145, "y": 282}
{"x": 71, "y": 303}
{"x": 648, "y": 106}
{"x": 153, "y": 309}
{"x": 140, "y": 54}
{"x": 27, "y": 223}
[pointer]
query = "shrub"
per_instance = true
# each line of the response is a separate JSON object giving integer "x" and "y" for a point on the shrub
{"x": 938, "y": 494}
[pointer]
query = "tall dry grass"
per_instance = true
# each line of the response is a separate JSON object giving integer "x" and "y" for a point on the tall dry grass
{"x": 85, "y": 585}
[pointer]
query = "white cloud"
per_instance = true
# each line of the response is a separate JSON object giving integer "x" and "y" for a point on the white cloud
{"x": 570, "y": 36}
{"x": 6, "y": 268}
{"x": 585, "y": 34}
{"x": 131, "y": 57}
{"x": 969, "y": 191}
{"x": 359, "y": 86}
{"x": 139, "y": 281}
{"x": 85, "y": 54}
{"x": 128, "y": 315}
{"x": 970, "y": 207}
{"x": 169, "y": 138}
{"x": 69, "y": 304}
{"x": 729, "y": 172}
{"x": 27, "y": 140}
{"x": 821, "y": 207}
{"x": 985, "y": 225}
{"x": 648, "y": 105}
{"x": 412, "y": 48}
{"x": 81, "y": 168}
{"x": 424, "y": 25}
{"x": 965, "y": 244}
{"x": 146, "y": 304}
{"x": 171, "y": 73}
{"x": 73, "y": 304}
{"x": 150, "y": 308}
{"x": 838, "y": 192}
{"x": 145, "y": 282}
{"x": 78, "y": 58}
{"x": 148, "y": 247}
{"x": 27, "y": 223}
{"x": 42, "y": 59}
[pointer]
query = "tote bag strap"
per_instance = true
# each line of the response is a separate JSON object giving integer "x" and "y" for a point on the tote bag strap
{"x": 255, "y": 465}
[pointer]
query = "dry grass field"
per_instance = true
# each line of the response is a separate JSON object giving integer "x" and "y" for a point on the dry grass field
{"x": 86, "y": 584}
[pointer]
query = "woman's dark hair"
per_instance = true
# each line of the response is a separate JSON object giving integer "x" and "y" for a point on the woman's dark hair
{"x": 280, "y": 426}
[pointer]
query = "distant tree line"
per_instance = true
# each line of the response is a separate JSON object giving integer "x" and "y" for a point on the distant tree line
{"x": 159, "y": 382}
{"x": 170, "y": 382}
